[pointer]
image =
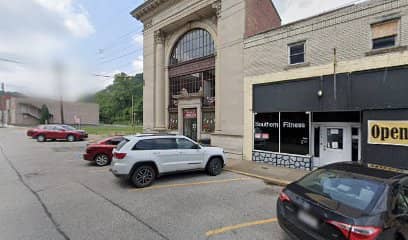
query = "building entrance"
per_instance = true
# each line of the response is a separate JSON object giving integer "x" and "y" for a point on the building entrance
{"x": 335, "y": 142}
{"x": 190, "y": 123}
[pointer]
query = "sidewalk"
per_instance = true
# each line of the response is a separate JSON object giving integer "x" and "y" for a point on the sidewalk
{"x": 270, "y": 174}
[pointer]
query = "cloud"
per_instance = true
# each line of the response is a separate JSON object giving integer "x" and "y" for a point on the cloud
{"x": 79, "y": 25}
{"x": 34, "y": 33}
{"x": 138, "y": 64}
{"x": 138, "y": 39}
{"x": 293, "y": 10}
{"x": 74, "y": 16}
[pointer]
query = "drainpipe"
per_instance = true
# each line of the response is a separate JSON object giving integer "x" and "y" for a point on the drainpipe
{"x": 335, "y": 73}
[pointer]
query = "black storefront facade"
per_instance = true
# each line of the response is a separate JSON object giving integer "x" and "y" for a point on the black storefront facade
{"x": 354, "y": 116}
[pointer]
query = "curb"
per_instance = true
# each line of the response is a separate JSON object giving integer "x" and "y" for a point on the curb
{"x": 267, "y": 180}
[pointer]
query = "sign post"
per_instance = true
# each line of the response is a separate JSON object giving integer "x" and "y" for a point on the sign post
{"x": 77, "y": 121}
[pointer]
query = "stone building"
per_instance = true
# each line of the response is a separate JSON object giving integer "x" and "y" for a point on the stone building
{"x": 193, "y": 65}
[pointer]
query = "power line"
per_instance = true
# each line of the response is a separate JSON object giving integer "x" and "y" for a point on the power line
{"x": 115, "y": 42}
{"x": 112, "y": 46}
{"x": 10, "y": 60}
{"x": 124, "y": 65}
{"x": 121, "y": 56}
{"x": 136, "y": 50}
{"x": 110, "y": 76}
{"x": 126, "y": 48}
{"x": 101, "y": 75}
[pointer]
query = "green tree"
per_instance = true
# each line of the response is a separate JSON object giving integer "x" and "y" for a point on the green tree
{"x": 45, "y": 114}
{"x": 115, "y": 101}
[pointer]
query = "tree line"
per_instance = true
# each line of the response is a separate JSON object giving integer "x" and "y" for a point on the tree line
{"x": 115, "y": 101}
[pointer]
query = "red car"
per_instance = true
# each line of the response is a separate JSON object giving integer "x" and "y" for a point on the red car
{"x": 55, "y": 132}
{"x": 31, "y": 131}
{"x": 101, "y": 152}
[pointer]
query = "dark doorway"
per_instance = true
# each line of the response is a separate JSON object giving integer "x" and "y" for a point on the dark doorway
{"x": 190, "y": 123}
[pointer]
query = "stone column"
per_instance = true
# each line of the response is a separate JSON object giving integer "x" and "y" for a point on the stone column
{"x": 217, "y": 7}
{"x": 159, "y": 105}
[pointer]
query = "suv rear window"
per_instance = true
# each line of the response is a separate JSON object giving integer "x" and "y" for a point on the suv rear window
{"x": 122, "y": 143}
{"x": 156, "y": 144}
{"x": 345, "y": 188}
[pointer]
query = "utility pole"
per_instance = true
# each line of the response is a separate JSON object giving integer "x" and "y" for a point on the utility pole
{"x": 132, "y": 113}
{"x": 62, "y": 109}
{"x": 59, "y": 71}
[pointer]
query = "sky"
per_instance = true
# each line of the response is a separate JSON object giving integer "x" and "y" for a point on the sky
{"x": 85, "y": 42}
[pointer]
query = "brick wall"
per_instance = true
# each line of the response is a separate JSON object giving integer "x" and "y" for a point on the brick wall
{"x": 261, "y": 16}
{"x": 347, "y": 29}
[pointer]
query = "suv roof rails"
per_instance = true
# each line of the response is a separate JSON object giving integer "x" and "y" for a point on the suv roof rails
{"x": 155, "y": 134}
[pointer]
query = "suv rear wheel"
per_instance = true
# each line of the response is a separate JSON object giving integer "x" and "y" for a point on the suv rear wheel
{"x": 214, "y": 167}
{"x": 143, "y": 176}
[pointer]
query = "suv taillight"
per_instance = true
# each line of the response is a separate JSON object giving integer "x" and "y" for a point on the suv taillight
{"x": 119, "y": 155}
{"x": 283, "y": 197}
{"x": 357, "y": 232}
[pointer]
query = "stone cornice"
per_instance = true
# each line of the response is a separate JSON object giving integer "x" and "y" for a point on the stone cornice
{"x": 145, "y": 8}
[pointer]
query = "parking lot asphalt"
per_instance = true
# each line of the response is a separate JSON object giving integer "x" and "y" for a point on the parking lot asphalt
{"x": 48, "y": 192}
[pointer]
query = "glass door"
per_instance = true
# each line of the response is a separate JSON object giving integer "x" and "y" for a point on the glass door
{"x": 335, "y": 145}
{"x": 190, "y": 123}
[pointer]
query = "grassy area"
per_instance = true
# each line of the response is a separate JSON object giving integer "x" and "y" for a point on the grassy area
{"x": 110, "y": 130}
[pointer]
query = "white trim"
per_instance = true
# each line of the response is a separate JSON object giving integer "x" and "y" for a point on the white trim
{"x": 279, "y": 132}
{"x": 304, "y": 52}
{"x": 311, "y": 146}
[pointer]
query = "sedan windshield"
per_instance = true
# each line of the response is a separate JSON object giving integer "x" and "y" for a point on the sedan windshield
{"x": 347, "y": 189}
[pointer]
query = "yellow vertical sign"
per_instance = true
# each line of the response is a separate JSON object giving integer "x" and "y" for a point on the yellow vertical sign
{"x": 388, "y": 132}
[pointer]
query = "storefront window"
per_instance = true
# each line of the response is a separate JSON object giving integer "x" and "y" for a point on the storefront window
{"x": 295, "y": 133}
{"x": 293, "y": 128}
{"x": 266, "y": 132}
{"x": 208, "y": 124}
{"x": 173, "y": 120}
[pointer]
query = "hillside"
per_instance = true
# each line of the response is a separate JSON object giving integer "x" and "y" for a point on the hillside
{"x": 115, "y": 101}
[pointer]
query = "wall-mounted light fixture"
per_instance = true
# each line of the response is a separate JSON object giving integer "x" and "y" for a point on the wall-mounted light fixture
{"x": 320, "y": 93}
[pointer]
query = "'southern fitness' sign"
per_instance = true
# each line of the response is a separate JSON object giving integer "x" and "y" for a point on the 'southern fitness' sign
{"x": 388, "y": 132}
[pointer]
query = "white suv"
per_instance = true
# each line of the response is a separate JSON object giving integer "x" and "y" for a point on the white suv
{"x": 142, "y": 158}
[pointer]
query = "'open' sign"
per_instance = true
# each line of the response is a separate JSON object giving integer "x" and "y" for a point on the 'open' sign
{"x": 388, "y": 132}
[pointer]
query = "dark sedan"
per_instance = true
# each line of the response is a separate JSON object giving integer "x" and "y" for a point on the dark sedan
{"x": 349, "y": 201}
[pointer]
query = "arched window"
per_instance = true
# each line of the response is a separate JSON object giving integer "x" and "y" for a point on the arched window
{"x": 194, "y": 44}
